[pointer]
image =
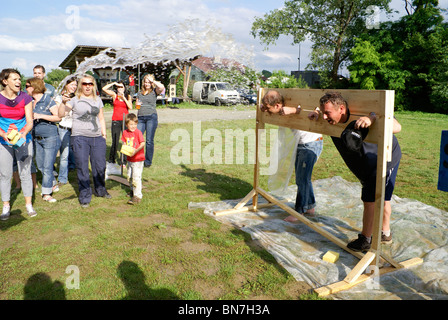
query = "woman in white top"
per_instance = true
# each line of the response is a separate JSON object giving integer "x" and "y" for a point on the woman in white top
{"x": 66, "y": 160}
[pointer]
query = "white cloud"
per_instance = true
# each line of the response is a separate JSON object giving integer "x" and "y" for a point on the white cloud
{"x": 22, "y": 64}
{"x": 47, "y": 43}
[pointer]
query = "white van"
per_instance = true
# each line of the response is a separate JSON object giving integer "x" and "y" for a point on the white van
{"x": 217, "y": 93}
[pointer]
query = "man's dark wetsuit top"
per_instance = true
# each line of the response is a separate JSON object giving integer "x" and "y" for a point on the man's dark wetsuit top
{"x": 363, "y": 164}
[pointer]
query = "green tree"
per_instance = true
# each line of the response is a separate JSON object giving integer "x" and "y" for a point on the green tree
{"x": 330, "y": 25}
{"x": 55, "y": 76}
{"x": 279, "y": 79}
{"x": 239, "y": 78}
{"x": 409, "y": 56}
{"x": 371, "y": 69}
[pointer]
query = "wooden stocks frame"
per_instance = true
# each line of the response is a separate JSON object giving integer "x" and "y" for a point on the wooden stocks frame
{"x": 361, "y": 103}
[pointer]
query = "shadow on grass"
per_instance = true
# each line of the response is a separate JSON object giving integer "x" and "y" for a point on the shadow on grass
{"x": 14, "y": 219}
{"x": 227, "y": 187}
{"x": 134, "y": 281}
{"x": 40, "y": 287}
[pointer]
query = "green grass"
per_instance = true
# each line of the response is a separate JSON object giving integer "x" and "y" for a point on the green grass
{"x": 162, "y": 250}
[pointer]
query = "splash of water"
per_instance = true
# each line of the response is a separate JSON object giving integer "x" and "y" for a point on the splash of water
{"x": 181, "y": 43}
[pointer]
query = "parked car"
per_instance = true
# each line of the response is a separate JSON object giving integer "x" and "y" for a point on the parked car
{"x": 248, "y": 97}
{"x": 218, "y": 93}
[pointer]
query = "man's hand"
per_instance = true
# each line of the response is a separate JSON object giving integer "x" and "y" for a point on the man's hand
{"x": 365, "y": 122}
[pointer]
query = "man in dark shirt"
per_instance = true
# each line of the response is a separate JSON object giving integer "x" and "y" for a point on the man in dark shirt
{"x": 362, "y": 161}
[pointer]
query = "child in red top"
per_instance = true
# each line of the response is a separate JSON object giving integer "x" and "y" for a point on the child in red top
{"x": 134, "y": 138}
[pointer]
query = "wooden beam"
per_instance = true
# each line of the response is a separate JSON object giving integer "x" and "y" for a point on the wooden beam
{"x": 243, "y": 202}
{"x": 259, "y": 126}
{"x": 310, "y": 224}
{"x": 359, "y": 101}
{"x": 344, "y": 285}
{"x": 384, "y": 125}
{"x": 246, "y": 209}
{"x": 360, "y": 267}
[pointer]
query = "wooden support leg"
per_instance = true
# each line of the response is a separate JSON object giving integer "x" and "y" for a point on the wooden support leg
{"x": 245, "y": 209}
{"x": 344, "y": 285}
{"x": 360, "y": 267}
{"x": 309, "y": 223}
{"x": 243, "y": 202}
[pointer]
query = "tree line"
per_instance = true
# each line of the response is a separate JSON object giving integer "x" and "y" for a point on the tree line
{"x": 409, "y": 55}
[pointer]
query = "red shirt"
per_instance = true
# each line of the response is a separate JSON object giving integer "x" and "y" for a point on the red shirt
{"x": 134, "y": 139}
{"x": 120, "y": 107}
{"x": 131, "y": 81}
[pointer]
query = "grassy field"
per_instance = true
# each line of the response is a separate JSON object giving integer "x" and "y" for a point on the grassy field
{"x": 162, "y": 250}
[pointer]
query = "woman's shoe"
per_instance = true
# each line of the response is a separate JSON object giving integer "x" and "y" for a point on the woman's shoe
{"x": 48, "y": 198}
{"x": 31, "y": 212}
{"x": 6, "y": 213}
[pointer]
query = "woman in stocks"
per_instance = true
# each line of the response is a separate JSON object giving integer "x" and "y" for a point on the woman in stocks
{"x": 122, "y": 103}
{"x": 45, "y": 134}
{"x": 65, "y": 131}
{"x": 147, "y": 114}
{"x": 16, "y": 112}
{"x": 88, "y": 138}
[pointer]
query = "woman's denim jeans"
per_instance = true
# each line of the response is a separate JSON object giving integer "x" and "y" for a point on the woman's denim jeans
{"x": 148, "y": 124}
{"x": 46, "y": 151}
{"x": 66, "y": 155}
{"x": 306, "y": 157}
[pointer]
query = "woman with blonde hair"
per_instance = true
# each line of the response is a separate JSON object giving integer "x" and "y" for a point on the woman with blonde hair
{"x": 122, "y": 103}
{"x": 147, "y": 114}
{"x": 88, "y": 138}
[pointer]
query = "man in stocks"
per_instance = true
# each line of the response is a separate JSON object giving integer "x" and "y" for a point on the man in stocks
{"x": 361, "y": 158}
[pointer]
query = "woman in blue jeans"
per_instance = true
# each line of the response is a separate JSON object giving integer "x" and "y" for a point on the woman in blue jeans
{"x": 88, "y": 138}
{"x": 309, "y": 148}
{"x": 147, "y": 114}
{"x": 66, "y": 160}
{"x": 45, "y": 134}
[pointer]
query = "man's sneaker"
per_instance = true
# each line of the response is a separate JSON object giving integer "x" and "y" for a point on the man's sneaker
{"x": 386, "y": 239}
{"x": 360, "y": 244}
{"x": 5, "y": 214}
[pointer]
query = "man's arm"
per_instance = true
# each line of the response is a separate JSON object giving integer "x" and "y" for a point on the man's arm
{"x": 365, "y": 122}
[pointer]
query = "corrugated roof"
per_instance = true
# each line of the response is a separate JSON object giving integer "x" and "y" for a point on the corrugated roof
{"x": 80, "y": 53}
{"x": 207, "y": 64}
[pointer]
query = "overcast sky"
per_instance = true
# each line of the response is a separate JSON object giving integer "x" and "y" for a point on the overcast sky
{"x": 45, "y": 32}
